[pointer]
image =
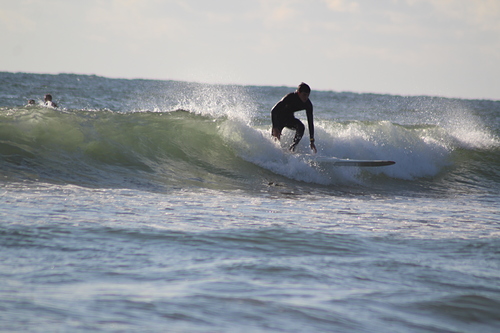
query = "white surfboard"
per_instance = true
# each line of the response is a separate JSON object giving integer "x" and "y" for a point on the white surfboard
{"x": 348, "y": 162}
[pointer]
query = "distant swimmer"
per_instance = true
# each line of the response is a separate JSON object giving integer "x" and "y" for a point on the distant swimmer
{"x": 31, "y": 102}
{"x": 282, "y": 115}
{"x": 48, "y": 101}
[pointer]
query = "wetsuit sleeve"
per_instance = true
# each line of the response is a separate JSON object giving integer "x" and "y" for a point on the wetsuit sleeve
{"x": 310, "y": 120}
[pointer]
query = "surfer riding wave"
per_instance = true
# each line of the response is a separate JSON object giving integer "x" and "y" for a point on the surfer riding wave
{"x": 282, "y": 115}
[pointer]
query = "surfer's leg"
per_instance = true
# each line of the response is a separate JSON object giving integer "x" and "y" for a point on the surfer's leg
{"x": 278, "y": 125}
{"x": 276, "y": 133}
{"x": 299, "y": 128}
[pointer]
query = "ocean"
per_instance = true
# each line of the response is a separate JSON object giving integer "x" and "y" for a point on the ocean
{"x": 166, "y": 206}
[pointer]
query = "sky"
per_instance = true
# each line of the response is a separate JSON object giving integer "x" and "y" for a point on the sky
{"x": 448, "y": 48}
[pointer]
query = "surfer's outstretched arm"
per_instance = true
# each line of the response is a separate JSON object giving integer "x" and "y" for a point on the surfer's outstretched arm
{"x": 313, "y": 146}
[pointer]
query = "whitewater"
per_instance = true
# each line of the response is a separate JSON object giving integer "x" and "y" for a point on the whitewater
{"x": 147, "y": 205}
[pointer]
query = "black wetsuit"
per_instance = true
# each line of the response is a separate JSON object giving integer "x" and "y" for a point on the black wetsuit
{"x": 282, "y": 116}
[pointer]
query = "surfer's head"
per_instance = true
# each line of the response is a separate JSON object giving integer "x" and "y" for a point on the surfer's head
{"x": 48, "y": 97}
{"x": 303, "y": 91}
{"x": 304, "y": 87}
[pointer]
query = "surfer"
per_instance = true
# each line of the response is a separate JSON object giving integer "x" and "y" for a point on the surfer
{"x": 48, "y": 101}
{"x": 282, "y": 115}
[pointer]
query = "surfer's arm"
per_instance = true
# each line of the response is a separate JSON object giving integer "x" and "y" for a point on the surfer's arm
{"x": 310, "y": 123}
{"x": 313, "y": 147}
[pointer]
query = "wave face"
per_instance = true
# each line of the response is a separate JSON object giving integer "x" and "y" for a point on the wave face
{"x": 164, "y": 133}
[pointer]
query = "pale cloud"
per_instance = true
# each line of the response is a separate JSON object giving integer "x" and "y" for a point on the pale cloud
{"x": 14, "y": 21}
{"x": 484, "y": 14}
{"x": 134, "y": 19}
{"x": 342, "y": 5}
{"x": 283, "y": 13}
{"x": 278, "y": 11}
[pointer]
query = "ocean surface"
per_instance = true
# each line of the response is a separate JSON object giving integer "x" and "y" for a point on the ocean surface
{"x": 165, "y": 206}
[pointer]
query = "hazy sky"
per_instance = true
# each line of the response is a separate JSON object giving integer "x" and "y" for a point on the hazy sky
{"x": 410, "y": 47}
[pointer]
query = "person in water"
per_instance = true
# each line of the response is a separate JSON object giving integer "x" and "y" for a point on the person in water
{"x": 282, "y": 115}
{"x": 48, "y": 101}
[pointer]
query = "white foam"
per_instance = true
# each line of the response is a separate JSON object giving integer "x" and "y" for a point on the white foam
{"x": 418, "y": 153}
{"x": 256, "y": 146}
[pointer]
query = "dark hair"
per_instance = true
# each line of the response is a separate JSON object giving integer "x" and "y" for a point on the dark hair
{"x": 303, "y": 87}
